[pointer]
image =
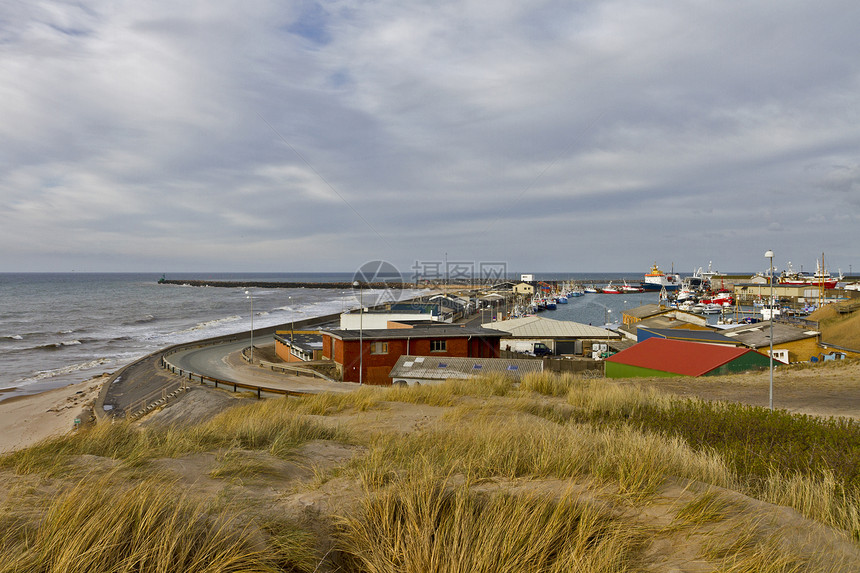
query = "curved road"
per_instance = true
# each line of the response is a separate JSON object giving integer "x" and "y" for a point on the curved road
{"x": 146, "y": 380}
{"x": 211, "y": 361}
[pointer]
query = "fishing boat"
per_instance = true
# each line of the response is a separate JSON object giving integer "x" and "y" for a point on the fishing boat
{"x": 657, "y": 279}
{"x": 626, "y": 288}
{"x": 821, "y": 278}
{"x": 767, "y": 309}
{"x": 590, "y": 290}
{"x": 721, "y": 298}
{"x": 609, "y": 289}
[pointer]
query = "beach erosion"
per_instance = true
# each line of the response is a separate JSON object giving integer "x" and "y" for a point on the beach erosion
{"x": 27, "y": 420}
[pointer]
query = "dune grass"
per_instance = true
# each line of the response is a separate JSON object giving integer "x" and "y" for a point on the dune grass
{"x": 415, "y": 517}
{"x": 269, "y": 425}
{"x": 98, "y": 526}
{"x": 426, "y": 525}
{"x": 485, "y": 445}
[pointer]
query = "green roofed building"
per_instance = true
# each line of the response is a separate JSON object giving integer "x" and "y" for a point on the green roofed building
{"x": 664, "y": 357}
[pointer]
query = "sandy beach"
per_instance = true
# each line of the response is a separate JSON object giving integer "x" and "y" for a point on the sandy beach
{"x": 26, "y": 420}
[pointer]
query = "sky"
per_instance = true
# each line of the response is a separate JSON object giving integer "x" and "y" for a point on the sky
{"x": 548, "y": 136}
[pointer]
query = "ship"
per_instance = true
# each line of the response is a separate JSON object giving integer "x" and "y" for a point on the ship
{"x": 821, "y": 278}
{"x": 657, "y": 280}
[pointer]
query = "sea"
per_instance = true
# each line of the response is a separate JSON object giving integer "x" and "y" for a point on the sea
{"x": 61, "y": 328}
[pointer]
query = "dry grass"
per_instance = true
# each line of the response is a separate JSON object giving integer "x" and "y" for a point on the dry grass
{"x": 484, "y": 444}
{"x": 819, "y": 497}
{"x": 271, "y": 425}
{"x": 708, "y": 507}
{"x": 422, "y": 509}
{"x": 839, "y": 329}
{"x": 425, "y": 525}
{"x": 99, "y": 526}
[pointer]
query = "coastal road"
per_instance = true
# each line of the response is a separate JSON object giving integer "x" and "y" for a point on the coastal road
{"x": 225, "y": 362}
{"x": 146, "y": 380}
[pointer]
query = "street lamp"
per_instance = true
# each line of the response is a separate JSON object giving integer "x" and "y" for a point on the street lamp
{"x": 360, "y": 331}
{"x": 769, "y": 255}
{"x": 250, "y": 297}
{"x": 606, "y": 315}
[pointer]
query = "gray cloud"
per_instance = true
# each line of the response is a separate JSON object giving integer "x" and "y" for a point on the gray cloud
{"x": 318, "y": 135}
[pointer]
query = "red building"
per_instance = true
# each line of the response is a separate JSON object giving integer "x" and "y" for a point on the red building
{"x": 368, "y": 356}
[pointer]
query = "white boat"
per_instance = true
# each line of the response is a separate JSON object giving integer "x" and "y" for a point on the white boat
{"x": 767, "y": 310}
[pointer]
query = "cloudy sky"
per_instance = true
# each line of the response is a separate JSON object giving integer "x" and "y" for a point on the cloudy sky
{"x": 314, "y": 136}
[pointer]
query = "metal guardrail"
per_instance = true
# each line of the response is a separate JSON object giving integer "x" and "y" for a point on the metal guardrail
{"x": 260, "y": 391}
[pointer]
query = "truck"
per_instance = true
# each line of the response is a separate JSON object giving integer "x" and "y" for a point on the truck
{"x": 531, "y": 347}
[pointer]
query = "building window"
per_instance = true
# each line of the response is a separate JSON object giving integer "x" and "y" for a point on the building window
{"x": 379, "y": 348}
{"x": 438, "y": 345}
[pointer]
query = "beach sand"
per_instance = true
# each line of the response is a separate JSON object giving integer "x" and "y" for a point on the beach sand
{"x": 26, "y": 420}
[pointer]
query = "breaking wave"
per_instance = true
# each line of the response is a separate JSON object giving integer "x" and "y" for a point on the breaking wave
{"x": 70, "y": 369}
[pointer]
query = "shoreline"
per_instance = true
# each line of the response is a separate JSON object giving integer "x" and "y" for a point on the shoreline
{"x": 28, "y": 419}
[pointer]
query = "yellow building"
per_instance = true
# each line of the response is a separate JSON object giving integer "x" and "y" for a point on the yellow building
{"x": 524, "y": 288}
{"x": 790, "y": 343}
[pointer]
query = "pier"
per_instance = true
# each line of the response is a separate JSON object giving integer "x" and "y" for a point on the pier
{"x": 267, "y": 284}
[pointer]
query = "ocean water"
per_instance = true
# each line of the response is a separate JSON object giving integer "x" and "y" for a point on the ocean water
{"x": 57, "y": 329}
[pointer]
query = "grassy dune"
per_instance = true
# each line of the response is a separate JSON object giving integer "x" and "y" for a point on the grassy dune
{"x": 556, "y": 474}
{"x": 837, "y": 328}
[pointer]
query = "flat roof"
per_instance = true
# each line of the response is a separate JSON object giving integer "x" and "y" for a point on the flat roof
{"x": 444, "y": 367}
{"x": 757, "y": 335}
{"x": 646, "y": 310}
{"x": 302, "y": 341}
{"x": 693, "y": 335}
{"x": 441, "y": 331}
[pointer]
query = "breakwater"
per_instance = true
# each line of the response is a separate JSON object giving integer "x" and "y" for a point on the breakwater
{"x": 269, "y": 284}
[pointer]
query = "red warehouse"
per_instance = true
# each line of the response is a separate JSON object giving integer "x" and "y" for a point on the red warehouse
{"x": 368, "y": 356}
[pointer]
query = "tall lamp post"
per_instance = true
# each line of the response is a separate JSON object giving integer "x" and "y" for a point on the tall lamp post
{"x": 769, "y": 255}
{"x": 360, "y": 331}
{"x": 250, "y": 297}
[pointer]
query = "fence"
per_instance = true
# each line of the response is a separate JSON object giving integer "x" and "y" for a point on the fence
{"x": 587, "y": 368}
{"x": 796, "y": 321}
{"x": 260, "y": 391}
